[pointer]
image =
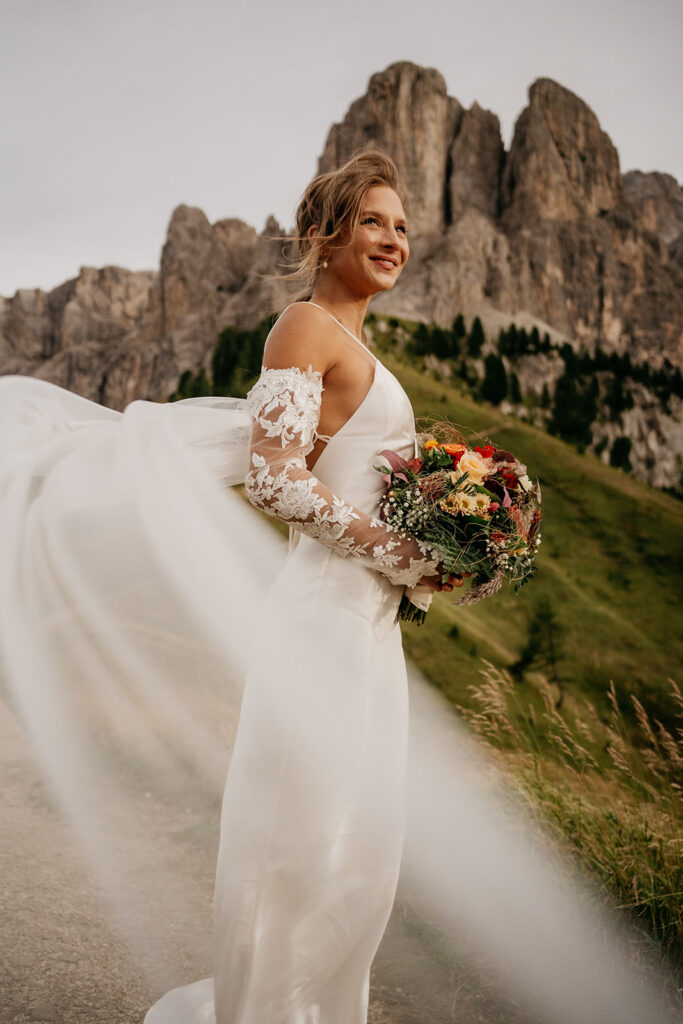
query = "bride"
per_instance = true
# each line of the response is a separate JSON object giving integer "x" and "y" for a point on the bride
{"x": 123, "y": 550}
{"x": 312, "y": 821}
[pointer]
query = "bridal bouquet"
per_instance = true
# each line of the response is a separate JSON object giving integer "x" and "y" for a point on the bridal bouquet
{"x": 476, "y": 504}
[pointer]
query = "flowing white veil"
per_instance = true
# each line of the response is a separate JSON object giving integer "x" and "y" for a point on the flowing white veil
{"x": 132, "y": 577}
{"x": 131, "y": 573}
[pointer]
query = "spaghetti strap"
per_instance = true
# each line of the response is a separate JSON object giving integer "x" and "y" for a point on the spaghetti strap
{"x": 342, "y": 327}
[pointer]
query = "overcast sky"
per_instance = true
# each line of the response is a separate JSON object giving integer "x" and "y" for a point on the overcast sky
{"x": 113, "y": 113}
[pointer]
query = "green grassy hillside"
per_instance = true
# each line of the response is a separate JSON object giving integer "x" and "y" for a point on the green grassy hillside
{"x": 609, "y": 565}
{"x": 591, "y": 736}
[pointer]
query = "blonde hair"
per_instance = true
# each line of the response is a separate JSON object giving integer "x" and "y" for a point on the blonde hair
{"x": 332, "y": 203}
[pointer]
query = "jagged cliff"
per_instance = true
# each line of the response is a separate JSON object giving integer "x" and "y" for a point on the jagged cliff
{"x": 548, "y": 234}
{"x": 546, "y": 229}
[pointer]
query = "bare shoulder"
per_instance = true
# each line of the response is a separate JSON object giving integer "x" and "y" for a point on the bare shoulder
{"x": 303, "y": 336}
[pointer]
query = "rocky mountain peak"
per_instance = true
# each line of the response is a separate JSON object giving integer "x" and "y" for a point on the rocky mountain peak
{"x": 561, "y": 165}
{"x": 406, "y": 110}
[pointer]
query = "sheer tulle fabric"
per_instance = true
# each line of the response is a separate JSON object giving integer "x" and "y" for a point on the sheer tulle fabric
{"x": 134, "y": 573}
{"x": 131, "y": 572}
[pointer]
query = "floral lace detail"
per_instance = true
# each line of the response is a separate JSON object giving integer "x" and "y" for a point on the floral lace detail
{"x": 285, "y": 406}
{"x": 297, "y": 393}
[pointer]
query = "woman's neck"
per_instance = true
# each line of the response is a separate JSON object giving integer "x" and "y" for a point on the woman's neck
{"x": 350, "y": 312}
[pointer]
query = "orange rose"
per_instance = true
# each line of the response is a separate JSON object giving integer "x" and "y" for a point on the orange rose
{"x": 454, "y": 449}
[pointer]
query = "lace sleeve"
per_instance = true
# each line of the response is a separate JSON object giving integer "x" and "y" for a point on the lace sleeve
{"x": 285, "y": 407}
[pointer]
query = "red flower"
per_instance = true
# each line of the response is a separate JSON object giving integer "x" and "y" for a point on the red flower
{"x": 455, "y": 450}
{"x": 415, "y": 464}
{"x": 486, "y": 452}
{"x": 509, "y": 478}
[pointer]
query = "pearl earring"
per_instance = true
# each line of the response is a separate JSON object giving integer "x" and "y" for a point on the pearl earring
{"x": 324, "y": 262}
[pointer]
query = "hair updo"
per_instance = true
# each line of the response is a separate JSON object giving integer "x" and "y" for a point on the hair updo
{"x": 333, "y": 201}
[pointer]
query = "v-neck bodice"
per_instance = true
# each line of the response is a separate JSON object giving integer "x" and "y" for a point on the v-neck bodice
{"x": 383, "y": 419}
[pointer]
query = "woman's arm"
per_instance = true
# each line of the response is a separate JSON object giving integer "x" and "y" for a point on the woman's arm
{"x": 285, "y": 405}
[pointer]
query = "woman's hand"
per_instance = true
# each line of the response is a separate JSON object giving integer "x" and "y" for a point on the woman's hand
{"x": 455, "y": 579}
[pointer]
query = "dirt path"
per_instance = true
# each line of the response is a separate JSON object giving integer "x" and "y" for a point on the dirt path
{"x": 66, "y": 957}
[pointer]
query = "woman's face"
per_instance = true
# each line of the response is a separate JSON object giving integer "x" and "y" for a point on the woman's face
{"x": 378, "y": 251}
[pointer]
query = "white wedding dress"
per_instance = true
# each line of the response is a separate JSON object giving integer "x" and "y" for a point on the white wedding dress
{"x": 313, "y": 813}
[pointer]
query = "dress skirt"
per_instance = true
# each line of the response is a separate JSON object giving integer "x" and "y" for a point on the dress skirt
{"x": 313, "y": 815}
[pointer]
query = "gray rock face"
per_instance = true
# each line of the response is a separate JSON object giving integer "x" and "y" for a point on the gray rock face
{"x": 656, "y": 437}
{"x": 96, "y": 334}
{"x": 561, "y": 165}
{"x": 475, "y": 162}
{"x": 114, "y": 335}
{"x": 408, "y": 111}
{"x": 202, "y": 266}
{"x": 548, "y": 234}
{"x": 658, "y": 201}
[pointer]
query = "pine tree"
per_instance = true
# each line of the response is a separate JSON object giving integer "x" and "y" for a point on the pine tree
{"x": 192, "y": 386}
{"x": 184, "y": 388}
{"x": 202, "y": 385}
{"x": 507, "y": 342}
{"x": 619, "y": 455}
{"x": 458, "y": 328}
{"x": 571, "y": 361}
{"x": 514, "y": 390}
{"x": 476, "y": 338}
{"x": 225, "y": 359}
{"x": 495, "y": 384}
{"x": 420, "y": 343}
{"x": 574, "y": 409}
{"x": 616, "y": 399}
{"x": 522, "y": 342}
{"x": 440, "y": 343}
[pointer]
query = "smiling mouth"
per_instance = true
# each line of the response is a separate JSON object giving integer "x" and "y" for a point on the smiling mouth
{"x": 386, "y": 263}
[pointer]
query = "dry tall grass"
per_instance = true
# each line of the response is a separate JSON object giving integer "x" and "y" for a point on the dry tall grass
{"x": 615, "y": 802}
